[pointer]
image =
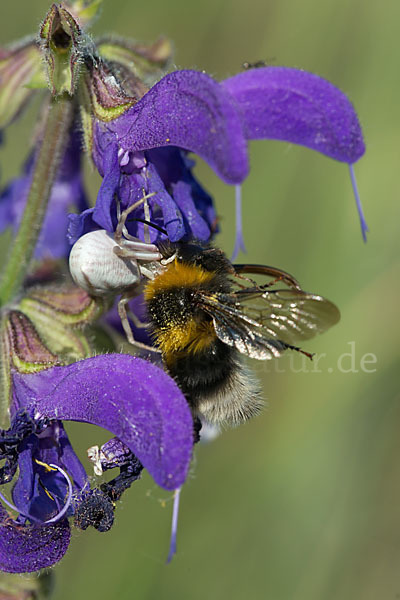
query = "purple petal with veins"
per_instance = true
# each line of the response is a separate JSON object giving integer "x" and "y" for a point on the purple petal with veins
{"x": 298, "y": 107}
{"x": 24, "y": 549}
{"x": 286, "y": 104}
{"x": 190, "y": 110}
{"x": 132, "y": 398}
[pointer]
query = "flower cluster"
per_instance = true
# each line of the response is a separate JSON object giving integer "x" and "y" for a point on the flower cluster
{"x": 138, "y": 129}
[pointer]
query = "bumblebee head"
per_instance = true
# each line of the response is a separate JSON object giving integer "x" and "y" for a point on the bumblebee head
{"x": 197, "y": 254}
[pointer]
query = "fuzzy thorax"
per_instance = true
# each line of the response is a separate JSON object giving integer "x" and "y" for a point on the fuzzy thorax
{"x": 178, "y": 274}
{"x": 177, "y": 325}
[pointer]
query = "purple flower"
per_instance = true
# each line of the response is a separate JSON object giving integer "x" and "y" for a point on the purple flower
{"x": 133, "y": 399}
{"x": 143, "y": 151}
{"x": 67, "y": 193}
{"x": 177, "y": 202}
{"x": 280, "y": 103}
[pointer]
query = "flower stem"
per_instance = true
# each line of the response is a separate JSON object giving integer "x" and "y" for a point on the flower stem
{"x": 48, "y": 157}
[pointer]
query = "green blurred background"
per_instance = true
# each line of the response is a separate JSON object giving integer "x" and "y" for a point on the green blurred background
{"x": 304, "y": 502}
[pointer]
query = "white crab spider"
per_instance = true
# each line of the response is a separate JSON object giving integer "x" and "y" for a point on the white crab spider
{"x": 106, "y": 264}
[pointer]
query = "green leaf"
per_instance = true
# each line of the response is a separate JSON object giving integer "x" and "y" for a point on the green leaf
{"x": 21, "y": 71}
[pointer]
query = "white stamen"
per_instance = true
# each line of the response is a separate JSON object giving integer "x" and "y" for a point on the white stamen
{"x": 174, "y": 525}
{"x": 59, "y": 515}
{"x": 239, "y": 242}
{"x": 363, "y": 223}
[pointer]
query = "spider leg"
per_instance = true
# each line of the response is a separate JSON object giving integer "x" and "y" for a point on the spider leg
{"x": 137, "y": 250}
{"x": 147, "y": 217}
{"x": 136, "y": 321}
{"x": 119, "y": 232}
{"x": 122, "y": 311}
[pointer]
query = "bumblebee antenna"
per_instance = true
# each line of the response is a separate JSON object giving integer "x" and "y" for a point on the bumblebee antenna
{"x": 150, "y": 224}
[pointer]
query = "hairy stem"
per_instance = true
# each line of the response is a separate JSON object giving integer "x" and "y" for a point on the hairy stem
{"x": 48, "y": 157}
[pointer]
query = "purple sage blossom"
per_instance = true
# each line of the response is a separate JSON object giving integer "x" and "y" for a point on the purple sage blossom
{"x": 135, "y": 400}
{"x": 188, "y": 111}
{"x": 291, "y": 105}
{"x": 67, "y": 194}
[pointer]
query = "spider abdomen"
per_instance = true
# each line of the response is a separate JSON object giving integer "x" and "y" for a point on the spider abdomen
{"x": 96, "y": 268}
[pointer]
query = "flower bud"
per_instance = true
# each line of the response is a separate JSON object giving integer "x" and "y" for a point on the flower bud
{"x": 61, "y": 41}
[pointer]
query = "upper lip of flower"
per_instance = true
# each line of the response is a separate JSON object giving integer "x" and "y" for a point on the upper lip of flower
{"x": 133, "y": 398}
{"x": 191, "y": 111}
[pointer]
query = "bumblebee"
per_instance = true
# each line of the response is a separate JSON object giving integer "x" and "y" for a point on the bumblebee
{"x": 205, "y": 315}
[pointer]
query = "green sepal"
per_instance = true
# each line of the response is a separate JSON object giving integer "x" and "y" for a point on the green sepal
{"x": 28, "y": 353}
{"x": 114, "y": 81}
{"x": 144, "y": 61}
{"x": 69, "y": 304}
{"x": 104, "y": 97}
{"x": 22, "y": 350}
{"x": 60, "y": 316}
{"x": 85, "y": 109}
{"x": 5, "y": 374}
{"x": 21, "y": 71}
{"x": 62, "y": 44}
{"x": 46, "y": 328}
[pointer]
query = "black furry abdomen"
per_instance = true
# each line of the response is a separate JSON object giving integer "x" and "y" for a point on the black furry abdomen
{"x": 204, "y": 373}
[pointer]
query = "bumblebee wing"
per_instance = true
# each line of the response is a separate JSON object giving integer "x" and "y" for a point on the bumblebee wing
{"x": 290, "y": 315}
{"x": 236, "y": 329}
{"x": 264, "y": 324}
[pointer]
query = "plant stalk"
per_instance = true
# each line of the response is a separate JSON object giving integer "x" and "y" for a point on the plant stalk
{"x": 48, "y": 158}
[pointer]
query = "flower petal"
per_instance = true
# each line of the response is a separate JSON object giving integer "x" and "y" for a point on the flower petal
{"x": 24, "y": 549}
{"x": 190, "y": 110}
{"x": 299, "y": 107}
{"x": 195, "y": 224}
{"x": 80, "y": 224}
{"x": 109, "y": 185}
{"x": 68, "y": 191}
{"x": 29, "y": 494}
{"x": 172, "y": 217}
{"x": 132, "y": 398}
{"x": 195, "y": 204}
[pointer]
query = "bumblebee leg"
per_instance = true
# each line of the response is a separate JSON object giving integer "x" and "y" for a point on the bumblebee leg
{"x": 297, "y": 349}
{"x": 278, "y": 274}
